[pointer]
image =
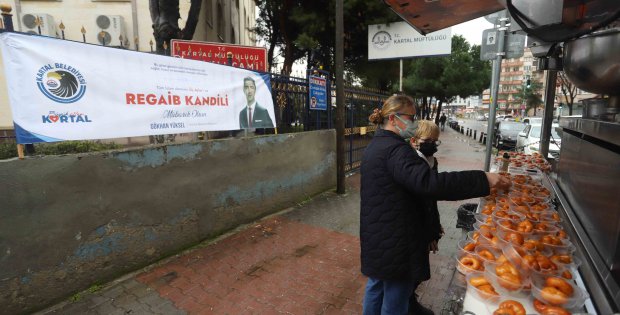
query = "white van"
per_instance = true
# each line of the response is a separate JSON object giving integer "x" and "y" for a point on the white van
{"x": 529, "y": 140}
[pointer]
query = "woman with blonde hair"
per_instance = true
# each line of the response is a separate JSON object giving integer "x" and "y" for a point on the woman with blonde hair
{"x": 396, "y": 184}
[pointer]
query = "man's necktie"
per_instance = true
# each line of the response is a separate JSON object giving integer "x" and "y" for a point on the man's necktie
{"x": 250, "y": 114}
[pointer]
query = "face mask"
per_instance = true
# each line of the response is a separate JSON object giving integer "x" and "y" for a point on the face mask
{"x": 428, "y": 148}
{"x": 410, "y": 128}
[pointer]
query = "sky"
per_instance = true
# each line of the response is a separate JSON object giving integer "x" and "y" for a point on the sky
{"x": 472, "y": 30}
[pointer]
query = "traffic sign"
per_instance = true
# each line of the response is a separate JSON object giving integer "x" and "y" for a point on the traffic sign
{"x": 514, "y": 45}
{"x": 489, "y": 46}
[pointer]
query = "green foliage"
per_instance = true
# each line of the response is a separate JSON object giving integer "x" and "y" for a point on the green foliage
{"x": 70, "y": 147}
{"x": 461, "y": 73}
{"x": 532, "y": 96}
{"x": 305, "y": 29}
{"x": 78, "y": 296}
{"x": 9, "y": 150}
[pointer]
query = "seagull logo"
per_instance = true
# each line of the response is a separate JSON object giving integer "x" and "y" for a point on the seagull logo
{"x": 61, "y": 83}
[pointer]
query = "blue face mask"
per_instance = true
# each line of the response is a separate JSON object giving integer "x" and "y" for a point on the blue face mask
{"x": 409, "y": 130}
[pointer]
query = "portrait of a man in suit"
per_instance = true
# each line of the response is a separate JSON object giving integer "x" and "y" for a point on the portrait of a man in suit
{"x": 253, "y": 115}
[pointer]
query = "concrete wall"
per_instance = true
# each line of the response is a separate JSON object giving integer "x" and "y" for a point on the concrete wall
{"x": 67, "y": 222}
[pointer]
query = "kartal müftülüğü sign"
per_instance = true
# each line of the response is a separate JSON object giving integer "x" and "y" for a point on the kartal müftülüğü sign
{"x": 400, "y": 40}
{"x": 246, "y": 57}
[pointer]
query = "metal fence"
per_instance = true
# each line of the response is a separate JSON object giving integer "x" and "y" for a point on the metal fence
{"x": 292, "y": 110}
{"x": 293, "y": 113}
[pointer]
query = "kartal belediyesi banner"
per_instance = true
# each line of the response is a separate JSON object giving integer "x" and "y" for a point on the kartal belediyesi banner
{"x": 63, "y": 90}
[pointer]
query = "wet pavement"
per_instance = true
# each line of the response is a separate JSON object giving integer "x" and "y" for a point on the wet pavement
{"x": 303, "y": 260}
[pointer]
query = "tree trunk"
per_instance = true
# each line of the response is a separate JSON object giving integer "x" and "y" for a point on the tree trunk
{"x": 287, "y": 66}
{"x": 424, "y": 107}
{"x": 272, "y": 48}
{"x": 165, "y": 17}
{"x": 437, "y": 112}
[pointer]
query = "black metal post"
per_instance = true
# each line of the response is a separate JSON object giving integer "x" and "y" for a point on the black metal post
{"x": 340, "y": 176}
{"x": 7, "y": 17}
{"x": 229, "y": 58}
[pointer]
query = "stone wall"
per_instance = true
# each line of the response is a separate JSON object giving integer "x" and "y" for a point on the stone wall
{"x": 68, "y": 222}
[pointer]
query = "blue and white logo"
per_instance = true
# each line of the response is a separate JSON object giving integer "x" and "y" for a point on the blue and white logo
{"x": 61, "y": 83}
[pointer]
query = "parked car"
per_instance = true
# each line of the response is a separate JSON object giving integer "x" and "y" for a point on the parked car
{"x": 529, "y": 140}
{"x": 504, "y": 117}
{"x": 452, "y": 122}
{"x": 532, "y": 120}
{"x": 506, "y": 133}
{"x": 480, "y": 118}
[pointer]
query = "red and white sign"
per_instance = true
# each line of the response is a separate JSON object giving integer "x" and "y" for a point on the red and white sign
{"x": 246, "y": 57}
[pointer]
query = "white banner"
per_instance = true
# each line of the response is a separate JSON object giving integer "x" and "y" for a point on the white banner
{"x": 63, "y": 90}
{"x": 400, "y": 40}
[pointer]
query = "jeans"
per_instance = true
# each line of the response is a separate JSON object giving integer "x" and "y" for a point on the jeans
{"x": 387, "y": 297}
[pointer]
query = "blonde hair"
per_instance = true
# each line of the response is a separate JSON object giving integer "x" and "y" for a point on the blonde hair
{"x": 427, "y": 129}
{"x": 394, "y": 104}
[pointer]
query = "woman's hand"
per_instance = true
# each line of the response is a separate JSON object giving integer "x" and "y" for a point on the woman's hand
{"x": 433, "y": 247}
{"x": 496, "y": 180}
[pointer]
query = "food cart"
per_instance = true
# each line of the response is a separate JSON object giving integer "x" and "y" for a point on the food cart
{"x": 581, "y": 38}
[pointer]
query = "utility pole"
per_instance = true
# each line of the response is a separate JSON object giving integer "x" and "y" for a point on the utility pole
{"x": 340, "y": 186}
{"x": 497, "y": 67}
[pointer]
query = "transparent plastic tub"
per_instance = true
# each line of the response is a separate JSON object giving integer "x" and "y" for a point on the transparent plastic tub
{"x": 503, "y": 285}
{"x": 522, "y": 210}
{"x": 507, "y": 215}
{"x": 486, "y": 230}
{"x": 545, "y": 228}
{"x": 540, "y": 207}
{"x": 466, "y": 268}
{"x": 574, "y": 300}
{"x": 483, "y": 218}
{"x": 464, "y": 245}
{"x": 488, "y": 253}
{"x": 482, "y": 292}
{"x": 520, "y": 199}
{"x": 571, "y": 264}
{"x": 565, "y": 245}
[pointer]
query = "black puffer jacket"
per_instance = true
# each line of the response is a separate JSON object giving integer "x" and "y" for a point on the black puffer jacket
{"x": 432, "y": 220}
{"x": 397, "y": 185}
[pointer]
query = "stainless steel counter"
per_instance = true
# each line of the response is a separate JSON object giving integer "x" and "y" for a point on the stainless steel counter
{"x": 588, "y": 188}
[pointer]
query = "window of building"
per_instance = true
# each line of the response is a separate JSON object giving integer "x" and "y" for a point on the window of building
{"x": 233, "y": 37}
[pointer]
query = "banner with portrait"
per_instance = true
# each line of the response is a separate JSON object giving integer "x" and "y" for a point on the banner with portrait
{"x": 64, "y": 90}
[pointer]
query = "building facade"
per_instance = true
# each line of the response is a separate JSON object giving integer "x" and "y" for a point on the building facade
{"x": 125, "y": 23}
{"x": 514, "y": 75}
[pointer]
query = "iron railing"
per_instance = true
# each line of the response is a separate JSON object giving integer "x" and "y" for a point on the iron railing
{"x": 292, "y": 110}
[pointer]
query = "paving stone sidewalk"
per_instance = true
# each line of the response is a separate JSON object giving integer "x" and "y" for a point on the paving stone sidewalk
{"x": 301, "y": 261}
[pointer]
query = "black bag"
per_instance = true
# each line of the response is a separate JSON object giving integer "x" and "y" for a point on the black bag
{"x": 465, "y": 215}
